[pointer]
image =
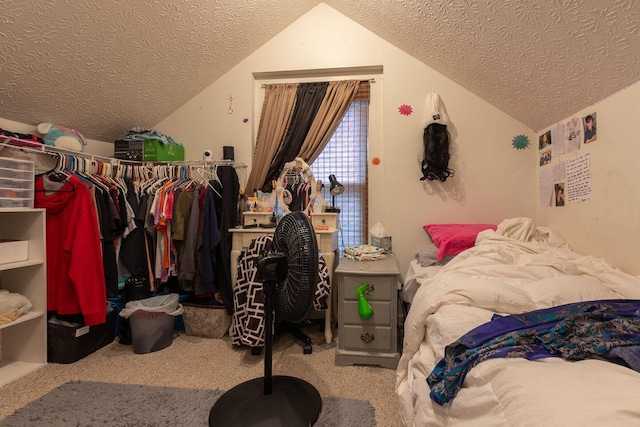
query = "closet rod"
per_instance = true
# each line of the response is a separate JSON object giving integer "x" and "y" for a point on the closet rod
{"x": 36, "y": 147}
{"x": 205, "y": 163}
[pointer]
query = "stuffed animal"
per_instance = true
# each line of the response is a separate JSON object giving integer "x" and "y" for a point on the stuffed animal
{"x": 61, "y": 136}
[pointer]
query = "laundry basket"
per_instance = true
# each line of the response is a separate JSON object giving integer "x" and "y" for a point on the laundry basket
{"x": 152, "y": 322}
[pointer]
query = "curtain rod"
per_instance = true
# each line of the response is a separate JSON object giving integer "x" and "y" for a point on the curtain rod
{"x": 371, "y": 80}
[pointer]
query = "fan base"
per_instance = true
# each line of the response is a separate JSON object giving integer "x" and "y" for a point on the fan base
{"x": 293, "y": 402}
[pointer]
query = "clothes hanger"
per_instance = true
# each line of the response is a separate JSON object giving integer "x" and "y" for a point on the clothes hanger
{"x": 95, "y": 175}
{"x": 58, "y": 174}
{"x": 208, "y": 177}
{"x": 159, "y": 172}
{"x": 144, "y": 178}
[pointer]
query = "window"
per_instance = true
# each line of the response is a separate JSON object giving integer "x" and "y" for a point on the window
{"x": 345, "y": 156}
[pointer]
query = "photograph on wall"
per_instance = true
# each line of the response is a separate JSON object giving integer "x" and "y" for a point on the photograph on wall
{"x": 545, "y": 156}
{"x": 544, "y": 140}
{"x": 558, "y": 191}
{"x": 589, "y": 123}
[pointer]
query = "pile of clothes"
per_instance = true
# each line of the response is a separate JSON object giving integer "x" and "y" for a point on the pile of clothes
{"x": 364, "y": 253}
{"x": 141, "y": 134}
{"x": 21, "y": 136}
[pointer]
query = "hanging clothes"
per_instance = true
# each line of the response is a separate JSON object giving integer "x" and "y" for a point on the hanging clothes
{"x": 108, "y": 217}
{"x": 227, "y": 218}
{"x": 162, "y": 224}
{"x": 182, "y": 234}
{"x": 75, "y": 278}
{"x": 188, "y": 268}
{"x": 133, "y": 250}
{"x": 211, "y": 237}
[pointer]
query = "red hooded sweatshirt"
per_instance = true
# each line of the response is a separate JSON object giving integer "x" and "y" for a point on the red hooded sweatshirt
{"x": 75, "y": 275}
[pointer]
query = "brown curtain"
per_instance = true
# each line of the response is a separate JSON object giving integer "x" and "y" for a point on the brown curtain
{"x": 297, "y": 122}
{"x": 309, "y": 98}
{"x": 277, "y": 109}
{"x": 336, "y": 102}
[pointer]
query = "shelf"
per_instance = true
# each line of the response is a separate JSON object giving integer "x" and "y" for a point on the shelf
{"x": 23, "y": 342}
{"x": 11, "y": 370}
{"x": 20, "y": 264}
{"x": 21, "y": 143}
{"x": 24, "y": 318}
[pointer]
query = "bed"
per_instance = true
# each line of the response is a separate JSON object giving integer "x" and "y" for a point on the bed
{"x": 516, "y": 268}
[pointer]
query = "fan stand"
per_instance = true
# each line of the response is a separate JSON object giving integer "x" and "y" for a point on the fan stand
{"x": 272, "y": 400}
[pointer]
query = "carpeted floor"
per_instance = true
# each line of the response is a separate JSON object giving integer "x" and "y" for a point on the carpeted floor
{"x": 208, "y": 364}
{"x": 95, "y": 404}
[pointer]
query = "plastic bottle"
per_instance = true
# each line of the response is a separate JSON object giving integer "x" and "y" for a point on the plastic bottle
{"x": 364, "y": 308}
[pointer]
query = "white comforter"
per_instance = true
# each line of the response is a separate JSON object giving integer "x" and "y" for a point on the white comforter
{"x": 517, "y": 268}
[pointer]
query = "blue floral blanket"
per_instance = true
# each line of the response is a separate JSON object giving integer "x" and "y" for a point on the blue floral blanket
{"x": 574, "y": 331}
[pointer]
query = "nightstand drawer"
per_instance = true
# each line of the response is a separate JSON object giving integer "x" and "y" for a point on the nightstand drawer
{"x": 381, "y": 313}
{"x": 366, "y": 338}
{"x": 383, "y": 287}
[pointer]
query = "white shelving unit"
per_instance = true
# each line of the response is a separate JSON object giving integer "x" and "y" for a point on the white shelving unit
{"x": 23, "y": 342}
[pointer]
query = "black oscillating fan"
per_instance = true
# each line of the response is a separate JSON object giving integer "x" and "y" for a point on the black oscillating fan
{"x": 290, "y": 274}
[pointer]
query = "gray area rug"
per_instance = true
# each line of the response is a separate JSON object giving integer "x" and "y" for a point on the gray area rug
{"x": 87, "y": 404}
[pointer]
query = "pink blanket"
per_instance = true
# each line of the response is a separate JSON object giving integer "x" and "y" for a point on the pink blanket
{"x": 451, "y": 239}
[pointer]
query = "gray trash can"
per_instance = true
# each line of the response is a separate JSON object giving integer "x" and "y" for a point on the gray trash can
{"x": 152, "y": 321}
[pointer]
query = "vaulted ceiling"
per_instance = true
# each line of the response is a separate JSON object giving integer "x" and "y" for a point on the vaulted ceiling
{"x": 105, "y": 66}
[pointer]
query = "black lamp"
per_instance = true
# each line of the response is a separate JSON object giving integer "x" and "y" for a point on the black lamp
{"x": 335, "y": 189}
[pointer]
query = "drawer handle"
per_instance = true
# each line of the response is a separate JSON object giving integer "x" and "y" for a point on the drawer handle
{"x": 367, "y": 338}
{"x": 370, "y": 288}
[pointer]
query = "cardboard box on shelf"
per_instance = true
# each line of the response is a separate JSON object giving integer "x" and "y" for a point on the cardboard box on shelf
{"x": 155, "y": 151}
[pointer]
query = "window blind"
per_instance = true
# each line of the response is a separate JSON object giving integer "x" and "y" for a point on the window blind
{"x": 345, "y": 156}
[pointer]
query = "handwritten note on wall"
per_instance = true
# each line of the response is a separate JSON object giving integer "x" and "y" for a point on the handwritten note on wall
{"x": 545, "y": 186}
{"x": 579, "y": 179}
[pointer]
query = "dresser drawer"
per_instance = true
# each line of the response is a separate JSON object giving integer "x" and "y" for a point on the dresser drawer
{"x": 381, "y": 313}
{"x": 324, "y": 220}
{"x": 242, "y": 238}
{"x": 256, "y": 218}
{"x": 383, "y": 287}
{"x": 366, "y": 338}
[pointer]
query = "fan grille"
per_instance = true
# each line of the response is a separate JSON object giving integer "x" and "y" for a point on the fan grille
{"x": 295, "y": 237}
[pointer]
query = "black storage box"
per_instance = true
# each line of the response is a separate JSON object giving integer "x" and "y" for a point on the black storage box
{"x": 66, "y": 344}
{"x": 128, "y": 150}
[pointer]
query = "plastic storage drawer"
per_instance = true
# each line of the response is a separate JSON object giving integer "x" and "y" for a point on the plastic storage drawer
{"x": 16, "y": 183}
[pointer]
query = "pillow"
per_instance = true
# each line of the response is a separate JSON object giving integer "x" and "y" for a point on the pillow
{"x": 428, "y": 256}
{"x": 451, "y": 239}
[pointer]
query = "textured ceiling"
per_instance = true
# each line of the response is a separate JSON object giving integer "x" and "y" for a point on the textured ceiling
{"x": 105, "y": 66}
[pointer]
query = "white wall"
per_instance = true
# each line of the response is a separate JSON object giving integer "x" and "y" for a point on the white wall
{"x": 608, "y": 225}
{"x": 493, "y": 181}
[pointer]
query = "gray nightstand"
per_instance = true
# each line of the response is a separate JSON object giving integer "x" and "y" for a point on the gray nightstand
{"x": 373, "y": 341}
